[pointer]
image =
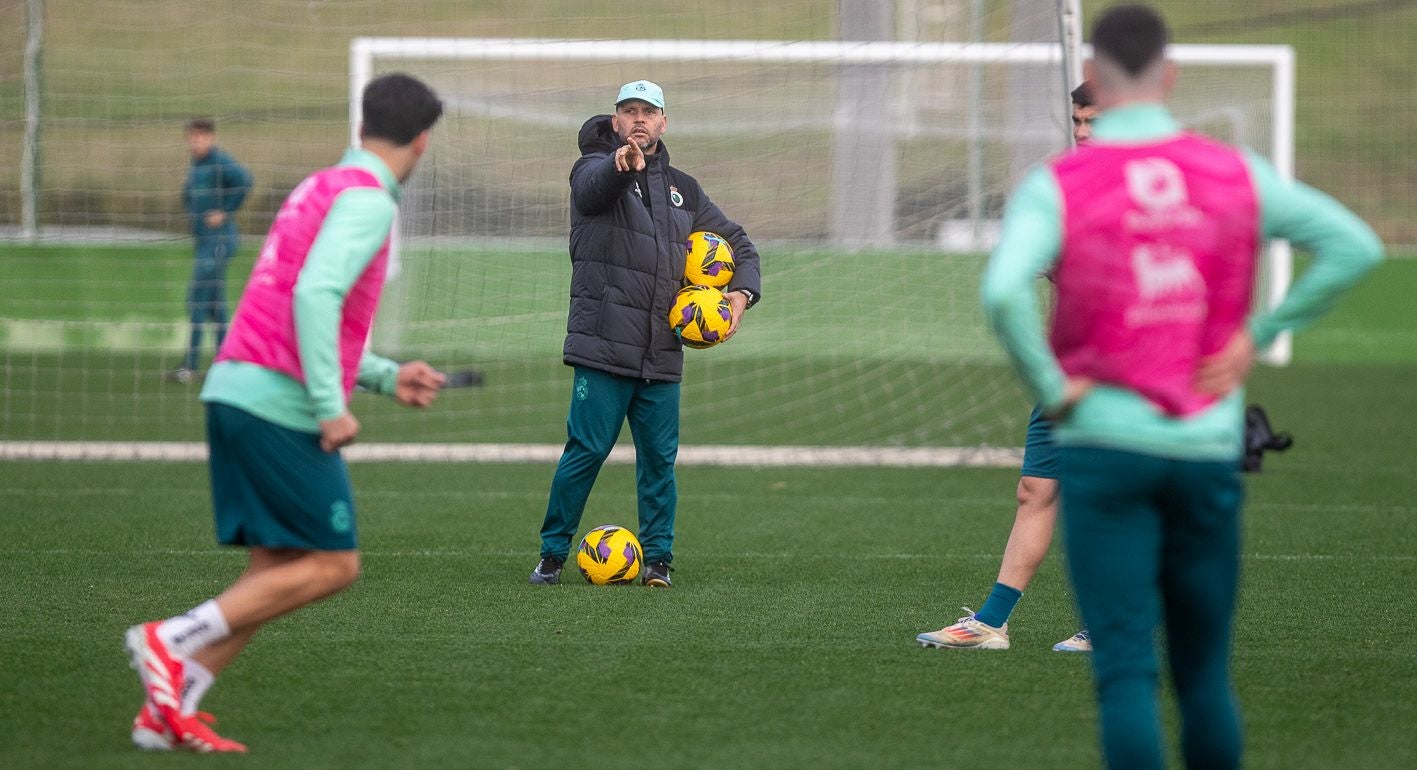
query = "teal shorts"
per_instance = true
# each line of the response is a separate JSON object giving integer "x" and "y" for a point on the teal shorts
{"x": 274, "y": 487}
{"x": 1040, "y": 454}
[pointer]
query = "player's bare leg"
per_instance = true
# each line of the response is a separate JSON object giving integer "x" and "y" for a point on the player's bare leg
{"x": 1032, "y": 533}
{"x": 1027, "y": 547}
{"x": 279, "y": 581}
{"x": 1029, "y": 541}
{"x": 276, "y": 581}
{"x": 217, "y": 656}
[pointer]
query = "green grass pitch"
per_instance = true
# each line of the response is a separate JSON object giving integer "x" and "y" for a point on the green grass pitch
{"x": 788, "y": 639}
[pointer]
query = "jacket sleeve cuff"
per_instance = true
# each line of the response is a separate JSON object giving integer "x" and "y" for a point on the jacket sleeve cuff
{"x": 753, "y": 296}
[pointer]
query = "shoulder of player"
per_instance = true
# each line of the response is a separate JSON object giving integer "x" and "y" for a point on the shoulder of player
{"x": 364, "y": 203}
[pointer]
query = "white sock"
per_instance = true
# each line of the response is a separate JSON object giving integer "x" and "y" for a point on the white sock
{"x": 196, "y": 681}
{"x": 199, "y": 627}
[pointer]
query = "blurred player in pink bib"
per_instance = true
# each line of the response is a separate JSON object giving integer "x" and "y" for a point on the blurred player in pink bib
{"x": 1152, "y": 235}
{"x": 278, "y": 413}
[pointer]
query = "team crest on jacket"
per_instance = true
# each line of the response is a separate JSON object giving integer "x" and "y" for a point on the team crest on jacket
{"x": 675, "y": 197}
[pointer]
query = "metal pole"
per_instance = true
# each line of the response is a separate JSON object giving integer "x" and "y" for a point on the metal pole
{"x": 863, "y": 151}
{"x": 1070, "y": 37}
{"x": 1281, "y": 259}
{"x": 976, "y": 129}
{"x": 360, "y": 69}
{"x": 29, "y": 153}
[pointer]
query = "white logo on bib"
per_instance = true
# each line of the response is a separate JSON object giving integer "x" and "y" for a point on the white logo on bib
{"x": 1158, "y": 187}
{"x": 1163, "y": 270}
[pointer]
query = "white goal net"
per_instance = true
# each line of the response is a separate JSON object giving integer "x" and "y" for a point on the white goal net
{"x": 870, "y": 174}
{"x": 867, "y": 147}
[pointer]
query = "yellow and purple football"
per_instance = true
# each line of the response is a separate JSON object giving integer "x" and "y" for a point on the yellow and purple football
{"x": 609, "y": 555}
{"x": 710, "y": 261}
{"x": 700, "y": 316}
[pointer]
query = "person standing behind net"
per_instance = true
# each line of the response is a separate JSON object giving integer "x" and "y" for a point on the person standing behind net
{"x": 1037, "y": 512}
{"x": 631, "y": 214}
{"x": 277, "y": 413}
{"x": 1152, "y": 235}
{"x": 216, "y": 187}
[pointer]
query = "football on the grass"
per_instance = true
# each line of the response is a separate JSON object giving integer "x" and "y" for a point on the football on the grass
{"x": 609, "y": 555}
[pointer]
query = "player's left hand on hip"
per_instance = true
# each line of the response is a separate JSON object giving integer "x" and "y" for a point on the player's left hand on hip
{"x": 737, "y": 303}
{"x": 1074, "y": 389}
{"x": 418, "y": 384}
{"x": 1227, "y": 369}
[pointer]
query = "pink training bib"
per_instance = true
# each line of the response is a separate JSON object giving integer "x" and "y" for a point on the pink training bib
{"x": 263, "y": 330}
{"x": 1157, "y": 267}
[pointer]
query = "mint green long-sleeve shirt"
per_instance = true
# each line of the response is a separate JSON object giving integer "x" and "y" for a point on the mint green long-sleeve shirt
{"x": 1344, "y": 249}
{"x": 354, "y": 230}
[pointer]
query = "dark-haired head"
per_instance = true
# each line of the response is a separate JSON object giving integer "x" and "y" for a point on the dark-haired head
{"x": 1082, "y": 95}
{"x": 1129, "y": 57}
{"x": 201, "y": 136}
{"x": 397, "y": 108}
{"x": 1084, "y": 111}
{"x": 1132, "y": 36}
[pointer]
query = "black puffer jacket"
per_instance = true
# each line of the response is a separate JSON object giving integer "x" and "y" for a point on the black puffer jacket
{"x": 628, "y": 234}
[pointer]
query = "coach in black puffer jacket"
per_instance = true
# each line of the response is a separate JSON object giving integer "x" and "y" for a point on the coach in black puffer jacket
{"x": 631, "y": 214}
{"x": 628, "y": 232}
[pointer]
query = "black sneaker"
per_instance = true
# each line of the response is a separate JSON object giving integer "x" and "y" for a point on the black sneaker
{"x": 657, "y": 574}
{"x": 547, "y": 572}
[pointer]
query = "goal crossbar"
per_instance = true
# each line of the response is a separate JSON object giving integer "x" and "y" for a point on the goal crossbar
{"x": 1280, "y": 58}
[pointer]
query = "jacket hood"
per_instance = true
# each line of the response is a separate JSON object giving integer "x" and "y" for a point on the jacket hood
{"x": 597, "y": 136}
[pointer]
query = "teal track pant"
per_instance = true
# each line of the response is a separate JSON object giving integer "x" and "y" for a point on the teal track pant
{"x": 600, "y": 404}
{"x": 206, "y": 293}
{"x": 1152, "y": 541}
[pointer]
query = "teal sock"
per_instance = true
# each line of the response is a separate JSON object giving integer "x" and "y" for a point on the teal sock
{"x": 998, "y": 606}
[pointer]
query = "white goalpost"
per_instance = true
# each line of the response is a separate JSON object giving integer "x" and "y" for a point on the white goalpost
{"x": 1276, "y": 61}
{"x": 937, "y": 126}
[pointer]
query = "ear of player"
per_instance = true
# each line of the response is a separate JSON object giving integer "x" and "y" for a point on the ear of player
{"x": 701, "y": 314}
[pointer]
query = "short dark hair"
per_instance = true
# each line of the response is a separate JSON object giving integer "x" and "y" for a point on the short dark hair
{"x": 205, "y": 125}
{"x": 1133, "y": 36}
{"x": 399, "y": 107}
{"x": 1082, "y": 95}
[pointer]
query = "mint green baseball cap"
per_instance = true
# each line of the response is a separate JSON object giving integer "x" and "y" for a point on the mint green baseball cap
{"x": 643, "y": 90}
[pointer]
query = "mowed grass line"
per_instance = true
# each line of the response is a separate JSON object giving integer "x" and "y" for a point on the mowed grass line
{"x": 787, "y": 640}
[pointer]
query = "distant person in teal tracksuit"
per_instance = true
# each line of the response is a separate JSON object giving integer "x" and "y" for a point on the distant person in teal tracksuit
{"x": 1152, "y": 235}
{"x": 216, "y": 187}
